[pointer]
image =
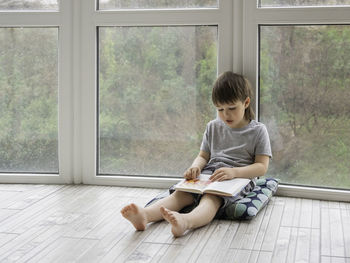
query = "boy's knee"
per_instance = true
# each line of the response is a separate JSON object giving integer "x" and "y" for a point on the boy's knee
{"x": 184, "y": 196}
{"x": 214, "y": 198}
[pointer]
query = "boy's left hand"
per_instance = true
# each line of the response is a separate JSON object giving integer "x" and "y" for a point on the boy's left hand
{"x": 224, "y": 174}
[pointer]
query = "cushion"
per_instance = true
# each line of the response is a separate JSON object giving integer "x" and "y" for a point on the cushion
{"x": 242, "y": 209}
{"x": 249, "y": 206}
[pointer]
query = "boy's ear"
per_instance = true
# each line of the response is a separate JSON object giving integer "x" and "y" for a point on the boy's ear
{"x": 247, "y": 102}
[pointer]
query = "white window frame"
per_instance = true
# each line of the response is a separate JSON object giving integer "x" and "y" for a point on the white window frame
{"x": 255, "y": 16}
{"x": 63, "y": 20}
{"x": 91, "y": 19}
{"x": 237, "y": 21}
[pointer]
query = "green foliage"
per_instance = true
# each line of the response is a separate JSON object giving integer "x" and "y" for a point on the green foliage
{"x": 28, "y": 100}
{"x": 154, "y": 99}
{"x": 304, "y": 101}
{"x": 303, "y": 2}
{"x": 154, "y": 90}
{"x": 140, "y": 4}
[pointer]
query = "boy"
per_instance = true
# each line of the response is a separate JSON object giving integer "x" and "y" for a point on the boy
{"x": 234, "y": 145}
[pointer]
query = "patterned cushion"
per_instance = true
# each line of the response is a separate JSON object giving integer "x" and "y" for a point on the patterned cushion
{"x": 245, "y": 208}
{"x": 249, "y": 206}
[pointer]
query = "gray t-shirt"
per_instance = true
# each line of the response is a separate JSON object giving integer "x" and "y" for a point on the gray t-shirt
{"x": 229, "y": 147}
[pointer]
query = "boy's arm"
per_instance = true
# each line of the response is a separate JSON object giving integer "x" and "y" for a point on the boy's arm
{"x": 201, "y": 160}
{"x": 258, "y": 168}
{"x": 198, "y": 164}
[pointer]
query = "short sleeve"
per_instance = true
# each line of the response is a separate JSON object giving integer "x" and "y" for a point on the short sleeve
{"x": 205, "y": 141}
{"x": 262, "y": 143}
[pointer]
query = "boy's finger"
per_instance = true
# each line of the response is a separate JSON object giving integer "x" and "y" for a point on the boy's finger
{"x": 215, "y": 175}
{"x": 193, "y": 173}
{"x": 216, "y": 172}
{"x": 197, "y": 172}
{"x": 218, "y": 178}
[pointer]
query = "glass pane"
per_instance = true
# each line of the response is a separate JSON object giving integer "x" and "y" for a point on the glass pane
{"x": 28, "y": 100}
{"x": 291, "y": 3}
{"x": 304, "y": 101}
{"x": 154, "y": 97}
{"x": 155, "y": 4}
{"x": 28, "y": 5}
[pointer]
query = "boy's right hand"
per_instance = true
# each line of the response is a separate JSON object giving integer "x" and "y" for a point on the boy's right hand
{"x": 192, "y": 173}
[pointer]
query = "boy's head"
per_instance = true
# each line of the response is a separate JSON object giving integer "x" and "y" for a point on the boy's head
{"x": 231, "y": 88}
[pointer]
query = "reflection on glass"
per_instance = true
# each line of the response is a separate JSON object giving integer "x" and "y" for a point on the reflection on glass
{"x": 28, "y": 5}
{"x": 156, "y": 4}
{"x": 154, "y": 97}
{"x": 28, "y": 100}
{"x": 304, "y": 96}
{"x": 291, "y": 3}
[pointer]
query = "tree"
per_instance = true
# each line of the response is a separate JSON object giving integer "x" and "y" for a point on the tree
{"x": 154, "y": 86}
{"x": 305, "y": 89}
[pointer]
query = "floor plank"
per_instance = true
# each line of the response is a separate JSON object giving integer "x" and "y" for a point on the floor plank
{"x": 282, "y": 244}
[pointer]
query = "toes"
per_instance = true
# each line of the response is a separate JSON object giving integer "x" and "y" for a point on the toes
{"x": 164, "y": 212}
{"x": 173, "y": 220}
{"x": 168, "y": 215}
{"x": 132, "y": 208}
{"x": 123, "y": 211}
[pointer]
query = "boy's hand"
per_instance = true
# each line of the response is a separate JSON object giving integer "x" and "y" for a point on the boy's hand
{"x": 224, "y": 174}
{"x": 192, "y": 173}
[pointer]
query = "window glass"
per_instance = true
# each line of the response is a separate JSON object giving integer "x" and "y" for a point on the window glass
{"x": 304, "y": 101}
{"x": 28, "y": 100}
{"x": 155, "y": 4}
{"x": 154, "y": 97}
{"x": 28, "y": 5}
{"x": 291, "y": 3}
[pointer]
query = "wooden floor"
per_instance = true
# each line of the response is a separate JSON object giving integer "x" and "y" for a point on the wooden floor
{"x": 55, "y": 223}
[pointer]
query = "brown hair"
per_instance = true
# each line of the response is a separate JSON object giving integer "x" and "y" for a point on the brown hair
{"x": 231, "y": 87}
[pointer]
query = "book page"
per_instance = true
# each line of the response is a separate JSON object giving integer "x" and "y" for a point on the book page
{"x": 227, "y": 187}
{"x": 195, "y": 186}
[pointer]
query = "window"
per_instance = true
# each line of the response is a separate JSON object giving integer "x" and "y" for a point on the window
{"x": 304, "y": 92}
{"x": 118, "y": 92}
{"x": 154, "y": 97}
{"x": 148, "y": 73}
{"x": 36, "y": 94}
{"x": 28, "y": 100}
{"x": 29, "y": 5}
{"x": 296, "y": 3}
{"x": 156, "y": 4}
{"x": 304, "y": 95}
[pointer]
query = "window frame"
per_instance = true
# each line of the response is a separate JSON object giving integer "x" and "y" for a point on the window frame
{"x": 62, "y": 19}
{"x": 92, "y": 19}
{"x": 238, "y": 23}
{"x": 255, "y": 16}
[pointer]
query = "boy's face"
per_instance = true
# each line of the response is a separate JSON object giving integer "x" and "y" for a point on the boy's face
{"x": 233, "y": 113}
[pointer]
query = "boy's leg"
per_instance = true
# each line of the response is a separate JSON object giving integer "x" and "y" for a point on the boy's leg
{"x": 203, "y": 214}
{"x": 140, "y": 216}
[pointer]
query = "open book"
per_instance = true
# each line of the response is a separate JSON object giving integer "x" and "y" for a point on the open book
{"x": 203, "y": 185}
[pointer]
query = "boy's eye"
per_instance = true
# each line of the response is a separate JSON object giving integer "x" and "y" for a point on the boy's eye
{"x": 220, "y": 109}
{"x": 232, "y": 108}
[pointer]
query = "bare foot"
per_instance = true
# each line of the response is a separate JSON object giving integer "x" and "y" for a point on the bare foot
{"x": 136, "y": 215}
{"x": 177, "y": 221}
